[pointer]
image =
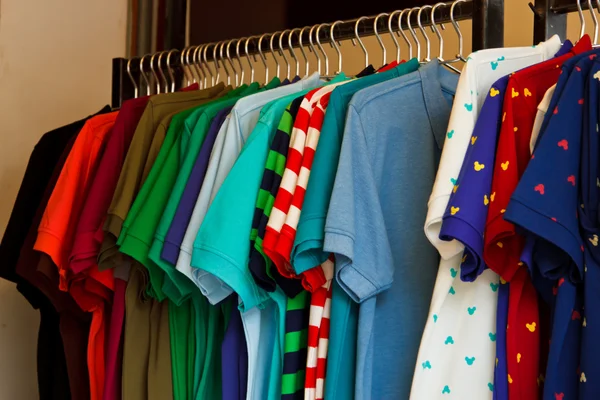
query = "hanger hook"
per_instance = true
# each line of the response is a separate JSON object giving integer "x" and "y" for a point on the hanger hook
{"x": 160, "y": 71}
{"x": 581, "y": 19}
{"x": 135, "y": 86}
{"x": 317, "y": 34}
{"x": 383, "y": 49}
{"x": 262, "y": 56}
{"x": 196, "y": 65}
{"x": 437, "y": 31}
{"x": 154, "y": 72}
{"x": 401, "y": 32}
{"x": 250, "y": 58}
{"x": 293, "y": 52}
{"x": 213, "y": 72}
{"x": 337, "y": 46}
{"x": 239, "y": 60}
{"x": 392, "y": 35}
{"x": 360, "y": 42}
{"x": 273, "y": 53}
{"x": 186, "y": 73}
{"x": 193, "y": 73}
{"x": 169, "y": 70}
{"x": 227, "y": 53}
{"x": 312, "y": 47}
{"x": 413, "y": 33}
{"x": 459, "y": 56}
{"x": 222, "y": 59}
{"x": 202, "y": 65}
{"x": 144, "y": 75}
{"x": 216, "y": 61}
{"x": 427, "y": 41}
{"x": 282, "y": 53}
{"x": 306, "y": 61}
{"x": 594, "y": 20}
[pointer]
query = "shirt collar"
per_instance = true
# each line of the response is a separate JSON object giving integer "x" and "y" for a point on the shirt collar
{"x": 435, "y": 80}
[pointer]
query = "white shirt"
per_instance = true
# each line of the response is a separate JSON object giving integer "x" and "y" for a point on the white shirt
{"x": 539, "y": 117}
{"x": 456, "y": 348}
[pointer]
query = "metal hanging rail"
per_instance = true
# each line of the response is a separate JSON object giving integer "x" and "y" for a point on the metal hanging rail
{"x": 550, "y": 17}
{"x": 487, "y": 32}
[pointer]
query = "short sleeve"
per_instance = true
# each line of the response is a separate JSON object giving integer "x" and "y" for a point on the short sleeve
{"x": 355, "y": 220}
{"x": 465, "y": 216}
{"x": 545, "y": 201}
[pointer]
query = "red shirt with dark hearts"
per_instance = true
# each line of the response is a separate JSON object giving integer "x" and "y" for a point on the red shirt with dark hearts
{"x": 503, "y": 246}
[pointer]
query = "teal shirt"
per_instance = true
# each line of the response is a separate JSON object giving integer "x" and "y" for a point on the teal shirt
{"x": 308, "y": 246}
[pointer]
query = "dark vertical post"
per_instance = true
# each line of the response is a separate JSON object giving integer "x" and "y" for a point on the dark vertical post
{"x": 488, "y": 24}
{"x": 122, "y": 87}
{"x": 546, "y": 22}
{"x": 175, "y": 34}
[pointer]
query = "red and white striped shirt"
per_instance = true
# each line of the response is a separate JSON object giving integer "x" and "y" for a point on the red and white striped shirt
{"x": 283, "y": 221}
{"x": 318, "y": 337}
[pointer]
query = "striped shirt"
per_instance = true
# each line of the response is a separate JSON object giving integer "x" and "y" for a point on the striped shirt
{"x": 295, "y": 347}
{"x": 318, "y": 336}
{"x": 295, "y": 177}
{"x": 259, "y": 264}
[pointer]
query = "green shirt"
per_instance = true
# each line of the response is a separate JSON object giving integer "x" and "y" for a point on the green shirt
{"x": 165, "y": 190}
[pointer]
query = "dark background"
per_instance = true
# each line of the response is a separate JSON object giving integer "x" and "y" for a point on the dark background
{"x": 228, "y": 19}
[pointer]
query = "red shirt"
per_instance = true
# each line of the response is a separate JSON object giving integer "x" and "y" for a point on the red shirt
{"x": 503, "y": 246}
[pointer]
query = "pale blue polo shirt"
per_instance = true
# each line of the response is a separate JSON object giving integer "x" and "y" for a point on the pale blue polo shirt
{"x": 390, "y": 151}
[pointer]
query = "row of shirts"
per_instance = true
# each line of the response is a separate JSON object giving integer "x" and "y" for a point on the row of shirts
{"x": 512, "y": 214}
{"x": 191, "y": 228}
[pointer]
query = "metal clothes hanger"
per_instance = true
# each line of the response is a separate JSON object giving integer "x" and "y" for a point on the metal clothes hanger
{"x": 216, "y": 62}
{"x": 197, "y": 67}
{"x": 239, "y": 60}
{"x": 393, "y": 35}
{"x": 250, "y": 58}
{"x": 360, "y": 42}
{"x": 277, "y": 74}
{"x": 317, "y": 34}
{"x": 427, "y": 41}
{"x": 383, "y": 49}
{"x": 187, "y": 75}
{"x": 293, "y": 52}
{"x": 459, "y": 56}
{"x": 143, "y": 73}
{"x": 282, "y": 53}
{"x": 594, "y": 20}
{"x": 412, "y": 32}
{"x": 196, "y": 77}
{"x": 157, "y": 81}
{"x": 228, "y": 56}
{"x": 336, "y": 46}
{"x": 203, "y": 66}
{"x": 306, "y": 60}
{"x": 262, "y": 57}
{"x": 212, "y": 73}
{"x": 440, "y": 56}
{"x": 162, "y": 74}
{"x": 135, "y": 86}
{"x": 581, "y": 19}
{"x": 401, "y": 32}
{"x": 222, "y": 59}
{"x": 170, "y": 71}
{"x": 312, "y": 47}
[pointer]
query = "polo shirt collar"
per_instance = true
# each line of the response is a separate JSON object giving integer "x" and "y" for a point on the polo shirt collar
{"x": 435, "y": 80}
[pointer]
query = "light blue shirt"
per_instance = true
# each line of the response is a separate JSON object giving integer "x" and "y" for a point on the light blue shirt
{"x": 391, "y": 147}
{"x": 232, "y": 136}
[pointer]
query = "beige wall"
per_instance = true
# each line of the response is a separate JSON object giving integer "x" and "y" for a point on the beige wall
{"x": 55, "y": 68}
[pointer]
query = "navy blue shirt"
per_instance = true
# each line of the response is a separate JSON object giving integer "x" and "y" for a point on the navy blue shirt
{"x": 234, "y": 356}
{"x": 181, "y": 219}
{"x": 589, "y": 379}
{"x": 546, "y": 203}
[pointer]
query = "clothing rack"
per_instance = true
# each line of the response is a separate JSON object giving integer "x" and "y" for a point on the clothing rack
{"x": 487, "y": 31}
{"x": 550, "y": 17}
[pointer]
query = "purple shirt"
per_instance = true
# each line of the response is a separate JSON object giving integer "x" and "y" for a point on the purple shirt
{"x": 234, "y": 357}
{"x": 473, "y": 186}
{"x": 183, "y": 214}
